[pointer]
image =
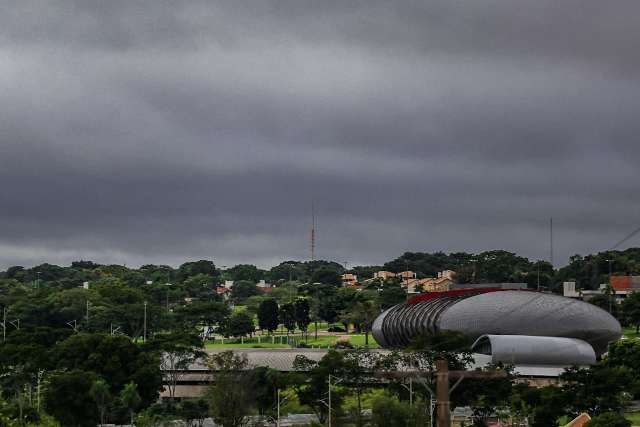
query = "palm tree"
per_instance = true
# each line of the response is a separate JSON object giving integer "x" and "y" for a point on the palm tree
{"x": 130, "y": 398}
{"x": 100, "y": 393}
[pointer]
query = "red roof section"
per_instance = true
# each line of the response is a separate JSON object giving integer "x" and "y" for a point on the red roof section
{"x": 620, "y": 283}
{"x": 580, "y": 421}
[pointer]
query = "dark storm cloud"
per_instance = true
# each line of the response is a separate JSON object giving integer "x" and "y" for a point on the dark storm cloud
{"x": 137, "y": 132}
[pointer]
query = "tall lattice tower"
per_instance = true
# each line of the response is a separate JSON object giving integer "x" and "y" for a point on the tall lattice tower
{"x": 313, "y": 231}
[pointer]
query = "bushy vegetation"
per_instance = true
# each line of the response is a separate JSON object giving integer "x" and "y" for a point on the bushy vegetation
{"x": 82, "y": 344}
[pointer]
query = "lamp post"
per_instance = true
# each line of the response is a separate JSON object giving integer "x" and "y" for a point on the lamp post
{"x": 611, "y": 291}
{"x": 279, "y": 401}
{"x": 329, "y": 398}
{"x": 144, "y": 335}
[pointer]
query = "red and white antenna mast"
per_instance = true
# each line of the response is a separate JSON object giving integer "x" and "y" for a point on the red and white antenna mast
{"x": 313, "y": 231}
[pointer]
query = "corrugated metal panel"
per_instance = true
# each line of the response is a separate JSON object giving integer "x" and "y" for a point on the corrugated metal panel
{"x": 535, "y": 350}
{"x": 532, "y": 313}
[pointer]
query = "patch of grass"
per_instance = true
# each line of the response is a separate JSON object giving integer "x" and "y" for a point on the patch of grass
{"x": 630, "y": 332}
{"x": 239, "y": 308}
{"x": 356, "y": 340}
{"x": 280, "y": 341}
{"x": 245, "y": 345}
{"x": 634, "y": 417}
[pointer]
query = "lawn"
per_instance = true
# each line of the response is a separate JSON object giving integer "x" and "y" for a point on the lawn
{"x": 245, "y": 345}
{"x": 630, "y": 332}
{"x": 634, "y": 417}
{"x": 280, "y": 341}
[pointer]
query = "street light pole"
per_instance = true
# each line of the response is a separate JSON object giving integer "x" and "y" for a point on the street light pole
{"x": 87, "y": 315}
{"x": 4, "y": 324}
{"x": 144, "y": 336}
{"x": 329, "y": 400}
{"x": 40, "y": 372}
{"x": 610, "y": 285}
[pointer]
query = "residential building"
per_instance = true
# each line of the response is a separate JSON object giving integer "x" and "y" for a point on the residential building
{"x": 622, "y": 286}
{"x": 224, "y": 292}
{"x": 264, "y": 284}
{"x": 384, "y": 275}
{"x": 349, "y": 279}
{"x": 406, "y": 275}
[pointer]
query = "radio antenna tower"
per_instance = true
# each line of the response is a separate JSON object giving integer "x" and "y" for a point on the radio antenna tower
{"x": 313, "y": 231}
{"x": 551, "y": 241}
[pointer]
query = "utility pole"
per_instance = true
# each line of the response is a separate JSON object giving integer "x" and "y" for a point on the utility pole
{"x": 73, "y": 324}
{"x": 610, "y": 271}
{"x": 329, "y": 400}
{"x": 4, "y": 324}
{"x": 87, "y": 314}
{"x": 144, "y": 335}
{"x": 443, "y": 391}
{"x": 38, "y": 388}
{"x": 409, "y": 388}
{"x": 611, "y": 291}
{"x": 551, "y": 241}
{"x": 443, "y": 374}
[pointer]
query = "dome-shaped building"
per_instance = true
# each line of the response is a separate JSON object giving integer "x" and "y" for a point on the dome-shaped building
{"x": 517, "y": 326}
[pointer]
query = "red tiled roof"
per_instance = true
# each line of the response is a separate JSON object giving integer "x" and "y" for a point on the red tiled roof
{"x": 620, "y": 283}
{"x": 579, "y": 421}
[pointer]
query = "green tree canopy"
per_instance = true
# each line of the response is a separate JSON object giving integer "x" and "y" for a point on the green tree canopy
{"x": 115, "y": 358}
{"x": 237, "y": 325}
{"x": 268, "y": 315}
{"x": 631, "y": 310}
{"x": 609, "y": 419}
{"x": 288, "y": 316}
{"x": 242, "y": 290}
{"x": 68, "y": 398}
{"x": 246, "y": 272}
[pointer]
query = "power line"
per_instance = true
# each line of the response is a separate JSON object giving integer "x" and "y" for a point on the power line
{"x": 628, "y": 237}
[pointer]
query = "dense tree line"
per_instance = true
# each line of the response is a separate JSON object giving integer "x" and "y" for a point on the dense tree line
{"x": 102, "y": 342}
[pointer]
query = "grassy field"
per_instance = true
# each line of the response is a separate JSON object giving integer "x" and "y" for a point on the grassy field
{"x": 323, "y": 341}
{"x": 630, "y": 332}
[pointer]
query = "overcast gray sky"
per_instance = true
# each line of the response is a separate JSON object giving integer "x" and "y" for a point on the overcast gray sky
{"x": 159, "y": 132}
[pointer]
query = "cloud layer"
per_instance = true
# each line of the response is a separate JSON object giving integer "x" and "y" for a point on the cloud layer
{"x": 136, "y": 132}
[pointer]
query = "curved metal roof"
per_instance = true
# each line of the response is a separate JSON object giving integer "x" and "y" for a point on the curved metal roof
{"x": 532, "y": 350}
{"x": 532, "y": 313}
{"x": 481, "y": 312}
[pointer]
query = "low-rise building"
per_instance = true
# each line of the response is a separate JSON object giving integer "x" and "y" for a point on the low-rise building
{"x": 224, "y": 292}
{"x": 264, "y": 284}
{"x": 621, "y": 285}
{"x": 384, "y": 275}
{"x": 349, "y": 279}
{"x": 406, "y": 275}
{"x": 408, "y": 279}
